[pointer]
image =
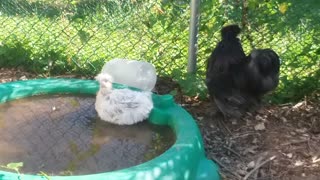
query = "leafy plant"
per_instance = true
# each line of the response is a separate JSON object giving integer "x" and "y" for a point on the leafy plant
{"x": 191, "y": 84}
{"x": 15, "y": 166}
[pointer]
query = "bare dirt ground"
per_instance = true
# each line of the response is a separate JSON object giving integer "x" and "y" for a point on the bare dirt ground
{"x": 277, "y": 142}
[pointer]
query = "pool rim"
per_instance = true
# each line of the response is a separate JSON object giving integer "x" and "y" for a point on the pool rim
{"x": 188, "y": 146}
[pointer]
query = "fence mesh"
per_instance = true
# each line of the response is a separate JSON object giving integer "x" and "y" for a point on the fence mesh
{"x": 288, "y": 27}
{"x": 78, "y": 36}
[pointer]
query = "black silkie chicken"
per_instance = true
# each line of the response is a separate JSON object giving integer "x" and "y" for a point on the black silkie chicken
{"x": 235, "y": 81}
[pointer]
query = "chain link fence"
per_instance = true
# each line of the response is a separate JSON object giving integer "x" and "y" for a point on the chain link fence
{"x": 78, "y": 36}
{"x": 288, "y": 27}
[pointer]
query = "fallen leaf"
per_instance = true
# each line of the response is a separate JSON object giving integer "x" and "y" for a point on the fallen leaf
{"x": 315, "y": 159}
{"x": 298, "y": 163}
{"x": 15, "y": 166}
{"x": 251, "y": 165}
{"x": 255, "y": 141}
{"x": 260, "y": 127}
{"x": 283, "y": 7}
{"x": 289, "y": 155}
{"x": 298, "y": 105}
{"x": 284, "y": 119}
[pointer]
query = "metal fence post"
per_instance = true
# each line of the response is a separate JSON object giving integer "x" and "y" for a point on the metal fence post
{"x": 193, "y": 36}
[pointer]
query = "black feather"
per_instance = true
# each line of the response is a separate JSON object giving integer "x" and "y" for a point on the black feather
{"x": 263, "y": 71}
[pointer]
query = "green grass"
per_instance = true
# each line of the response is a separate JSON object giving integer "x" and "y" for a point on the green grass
{"x": 79, "y": 36}
{"x": 82, "y": 44}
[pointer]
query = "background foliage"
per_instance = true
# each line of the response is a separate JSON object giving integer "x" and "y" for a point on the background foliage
{"x": 77, "y": 36}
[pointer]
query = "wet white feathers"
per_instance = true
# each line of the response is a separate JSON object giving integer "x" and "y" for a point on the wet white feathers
{"x": 121, "y": 106}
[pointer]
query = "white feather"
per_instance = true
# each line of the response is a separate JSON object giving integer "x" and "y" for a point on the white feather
{"x": 121, "y": 106}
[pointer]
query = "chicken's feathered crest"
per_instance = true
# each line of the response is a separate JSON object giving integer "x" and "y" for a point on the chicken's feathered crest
{"x": 104, "y": 77}
{"x": 230, "y": 32}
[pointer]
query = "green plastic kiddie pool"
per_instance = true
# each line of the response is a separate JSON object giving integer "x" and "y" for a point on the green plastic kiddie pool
{"x": 184, "y": 160}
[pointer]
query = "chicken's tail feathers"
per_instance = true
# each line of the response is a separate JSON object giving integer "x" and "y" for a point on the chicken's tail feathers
{"x": 230, "y": 31}
{"x": 266, "y": 59}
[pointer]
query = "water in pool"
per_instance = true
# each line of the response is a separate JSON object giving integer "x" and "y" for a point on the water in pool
{"x": 61, "y": 135}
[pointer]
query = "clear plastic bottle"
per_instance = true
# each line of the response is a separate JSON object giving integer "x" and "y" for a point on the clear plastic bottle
{"x": 134, "y": 73}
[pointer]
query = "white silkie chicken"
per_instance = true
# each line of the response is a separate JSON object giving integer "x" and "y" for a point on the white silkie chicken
{"x": 121, "y": 106}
